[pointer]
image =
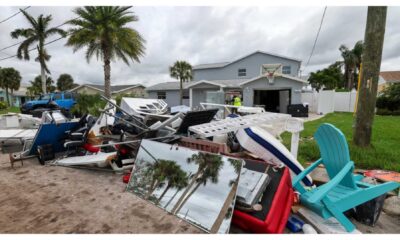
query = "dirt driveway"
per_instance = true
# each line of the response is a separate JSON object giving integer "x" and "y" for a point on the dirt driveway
{"x": 49, "y": 199}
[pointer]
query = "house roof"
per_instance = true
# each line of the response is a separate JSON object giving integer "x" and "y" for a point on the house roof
{"x": 114, "y": 88}
{"x": 173, "y": 85}
{"x": 231, "y": 83}
{"x": 234, "y": 83}
{"x": 390, "y": 76}
{"x": 223, "y": 64}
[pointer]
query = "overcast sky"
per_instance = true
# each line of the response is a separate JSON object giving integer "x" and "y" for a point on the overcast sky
{"x": 206, "y": 35}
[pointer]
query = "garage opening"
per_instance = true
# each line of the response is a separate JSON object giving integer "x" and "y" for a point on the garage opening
{"x": 272, "y": 100}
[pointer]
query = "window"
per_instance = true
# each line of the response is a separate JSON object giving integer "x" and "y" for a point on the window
{"x": 286, "y": 70}
{"x": 242, "y": 72}
{"x": 67, "y": 95}
{"x": 185, "y": 95}
{"x": 161, "y": 95}
{"x": 57, "y": 96}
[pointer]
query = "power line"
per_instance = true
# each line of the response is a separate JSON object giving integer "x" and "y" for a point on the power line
{"x": 15, "y": 14}
{"x": 316, "y": 38}
{"x": 30, "y": 50}
{"x": 18, "y": 43}
{"x": 55, "y": 40}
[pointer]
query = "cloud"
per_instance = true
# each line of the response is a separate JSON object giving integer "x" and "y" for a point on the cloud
{"x": 205, "y": 35}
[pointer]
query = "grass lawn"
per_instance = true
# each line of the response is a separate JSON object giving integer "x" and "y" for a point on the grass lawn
{"x": 383, "y": 154}
{"x": 10, "y": 109}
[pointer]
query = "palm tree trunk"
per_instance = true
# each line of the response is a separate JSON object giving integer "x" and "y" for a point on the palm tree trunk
{"x": 188, "y": 196}
{"x": 153, "y": 186}
{"x": 164, "y": 192}
{"x": 351, "y": 79}
{"x": 8, "y": 99}
{"x": 43, "y": 76}
{"x": 348, "y": 78}
{"x": 166, "y": 205}
{"x": 180, "y": 92}
{"x": 187, "y": 189}
{"x": 107, "y": 73}
{"x": 12, "y": 97}
{"x": 221, "y": 216}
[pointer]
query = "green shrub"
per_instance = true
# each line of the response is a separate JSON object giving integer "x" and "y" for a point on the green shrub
{"x": 91, "y": 104}
{"x": 389, "y": 102}
{"x": 387, "y": 112}
{"x": 3, "y": 105}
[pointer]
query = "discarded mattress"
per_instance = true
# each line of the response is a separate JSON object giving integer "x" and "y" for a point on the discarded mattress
{"x": 264, "y": 145}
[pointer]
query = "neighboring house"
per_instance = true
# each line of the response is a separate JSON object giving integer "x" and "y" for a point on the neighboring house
{"x": 387, "y": 78}
{"x": 18, "y": 97}
{"x": 136, "y": 89}
{"x": 246, "y": 77}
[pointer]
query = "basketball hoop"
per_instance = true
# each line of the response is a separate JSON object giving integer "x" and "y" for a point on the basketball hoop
{"x": 270, "y": 77}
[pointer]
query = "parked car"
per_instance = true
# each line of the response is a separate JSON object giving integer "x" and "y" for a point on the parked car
{"x": 58, "y": 100}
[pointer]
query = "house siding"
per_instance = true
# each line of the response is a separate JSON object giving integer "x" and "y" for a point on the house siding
{"x": 252, "y": 64}
{"x": 199, "y": 95}
{"x": 138, "y": 92}
{"x": 172, "y": 97}
{"x": 279, "y": 83}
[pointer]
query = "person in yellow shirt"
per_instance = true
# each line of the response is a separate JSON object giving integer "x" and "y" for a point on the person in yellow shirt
{"x": 237, "y": 102}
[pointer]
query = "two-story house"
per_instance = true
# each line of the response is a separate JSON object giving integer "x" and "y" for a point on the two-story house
{"x": 245, "y": 77}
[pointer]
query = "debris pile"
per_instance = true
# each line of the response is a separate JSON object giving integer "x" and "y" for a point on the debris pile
{"x": 214, "y": 169}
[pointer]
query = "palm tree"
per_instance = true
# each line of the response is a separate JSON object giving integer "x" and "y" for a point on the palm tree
{"x": 209, "y": 166}
{"x": 103, "y": 30}
{"x": 10, "y": 79}
{"x": 37, "y": 83}
{"x": 65, "y": 82}
{"x": 182, "y": 71}
{"x": 37, "y": 33}
{"x": 351, "y": 61}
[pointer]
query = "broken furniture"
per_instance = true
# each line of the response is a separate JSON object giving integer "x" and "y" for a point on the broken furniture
{"x": 141, "y": 107}
{"x": 344, "y": 191}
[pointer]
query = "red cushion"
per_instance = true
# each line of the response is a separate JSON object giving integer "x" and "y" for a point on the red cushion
{"x": 90, "y": 148}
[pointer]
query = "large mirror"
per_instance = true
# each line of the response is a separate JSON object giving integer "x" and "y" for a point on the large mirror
{"x": 196, "y": 186}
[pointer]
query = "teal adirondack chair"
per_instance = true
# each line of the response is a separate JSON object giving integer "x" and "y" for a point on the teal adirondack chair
{"x": 344, "y": 191}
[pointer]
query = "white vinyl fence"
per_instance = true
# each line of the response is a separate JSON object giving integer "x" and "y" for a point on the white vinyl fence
{"x": 329, "y": 101}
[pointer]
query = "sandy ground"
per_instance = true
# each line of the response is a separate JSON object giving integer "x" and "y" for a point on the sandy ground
{"x": 49, "y": 199}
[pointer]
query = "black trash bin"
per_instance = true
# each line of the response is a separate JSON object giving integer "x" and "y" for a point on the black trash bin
{"x": 369, "y": 212}
{"x": 298, "y": 110}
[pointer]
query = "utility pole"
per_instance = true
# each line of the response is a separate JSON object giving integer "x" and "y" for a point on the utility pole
{"x": 371, "y": 61}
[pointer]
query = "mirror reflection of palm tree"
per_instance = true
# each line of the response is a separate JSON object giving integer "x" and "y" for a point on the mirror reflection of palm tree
{"x": 176, "y": 178}
{"x": 226, "y": 210}
{"x": 208, "y": 169}
{"x": 165, "y": 170}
